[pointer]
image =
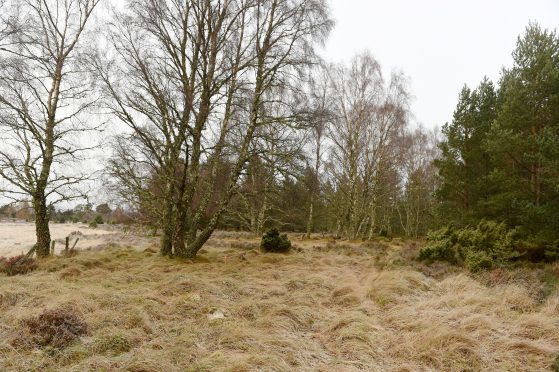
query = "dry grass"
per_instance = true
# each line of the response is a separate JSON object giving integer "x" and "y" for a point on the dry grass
{"x": 341, "y": 307}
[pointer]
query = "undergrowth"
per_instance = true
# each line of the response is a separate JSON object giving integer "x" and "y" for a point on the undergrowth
{"x": 490, "y": 244}
{"x": 17, "y": 265}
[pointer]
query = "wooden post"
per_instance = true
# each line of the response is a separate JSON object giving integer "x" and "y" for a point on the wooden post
{"x": 52, "y": 244}
{"x": 67, "y": 247}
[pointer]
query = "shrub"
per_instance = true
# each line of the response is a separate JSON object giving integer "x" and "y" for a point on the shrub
{"x": 478, "y": 261}
{"x": 17, "y": 265}
{"x": 551, "y": 253}
{"x": 93, "y": 224}
{"x": 272, "y": 241}
{"x": 55, "y": 328}
{"x": 441, "y": 246}
{"x": 98, "y": 219}
{"x": 488, "y": 244}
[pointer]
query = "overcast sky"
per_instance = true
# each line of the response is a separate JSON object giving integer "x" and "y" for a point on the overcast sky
{"x": 440, "y": 44}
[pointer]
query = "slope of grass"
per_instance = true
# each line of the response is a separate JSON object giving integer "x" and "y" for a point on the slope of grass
{"x": 328, "y": 307}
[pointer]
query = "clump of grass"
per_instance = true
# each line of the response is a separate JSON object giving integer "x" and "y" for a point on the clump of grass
{"x": 352, "y": 337}
{"x": 17, "y": 265}
{"x": 555, "y": 365}
{"x": 56, "y": 328}
{"x": 70, "y": 273}
{"x": 551, "y": 283}
{"x": 112, "y": 345}
{"x": 345, "y": 296}
{"x": 390, "y": 286}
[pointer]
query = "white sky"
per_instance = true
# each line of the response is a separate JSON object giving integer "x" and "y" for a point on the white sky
{"x": 439, "y": 44}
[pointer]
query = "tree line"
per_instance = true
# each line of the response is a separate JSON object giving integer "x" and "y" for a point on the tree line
{"x": 224, "y": 116}
{"x": 500, "y": 154}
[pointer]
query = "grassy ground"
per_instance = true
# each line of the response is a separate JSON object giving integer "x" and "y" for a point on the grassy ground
{"x": 324, "y": 307}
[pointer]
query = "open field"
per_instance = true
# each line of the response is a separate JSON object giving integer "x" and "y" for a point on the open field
{"x": 19, "y": 237}
{"x": 325, "y": 307}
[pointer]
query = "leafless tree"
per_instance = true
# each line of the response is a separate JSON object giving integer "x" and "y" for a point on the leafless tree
{"x": 370, "y": 116}
{"x": 190, "y": 81}
{"x": 419, "y": 180}
{"x": 278, "y": 153}
{"x": 44, "y": 92}
{"x": 320, "y": 119}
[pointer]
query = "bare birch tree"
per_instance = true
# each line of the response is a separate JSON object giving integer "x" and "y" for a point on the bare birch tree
{"x": 44, "y": 92}
{"x": 190, "y": 82}
{"x": 370, "y": 116}
{"x": 320, "y": 118}
{"x": 419, "y": 180}
{"x": 278, "y": 153}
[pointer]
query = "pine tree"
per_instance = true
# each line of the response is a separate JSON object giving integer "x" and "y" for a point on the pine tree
{"x": 524, "y": 140}
{"x": 464, "y": 164}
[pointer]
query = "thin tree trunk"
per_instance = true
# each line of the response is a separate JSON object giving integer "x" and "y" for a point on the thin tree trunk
{"x": 262, "y": 217}
{"x": 310, "y": 220}
{"x": 373, "y": 221}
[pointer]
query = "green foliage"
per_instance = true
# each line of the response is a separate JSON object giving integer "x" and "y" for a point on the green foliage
{"x": 98, "y": 220}
{"x": 478, "y": 261}
{"x": 272, "y": 241}
{"x": 500, "y": 155}
{"x": 17, "y": 265}
{"x": 551, "y": 251}
{"x": 489, "y": 244}
{"x": 441, "y": 246}
{"x": 524, "y": 140}
{"x": 464, "y": 164}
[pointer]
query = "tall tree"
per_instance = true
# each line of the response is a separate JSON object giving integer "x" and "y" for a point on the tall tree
{"x": 370, "y": 115}
{"x": 524, "y": 140}
{"x": 197, "y": 76}
{"x": 320, "y": 119}
{"x": 464, "y": 163}
{"x": 44, "y": 91}
{"x": 416, "y": 204}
